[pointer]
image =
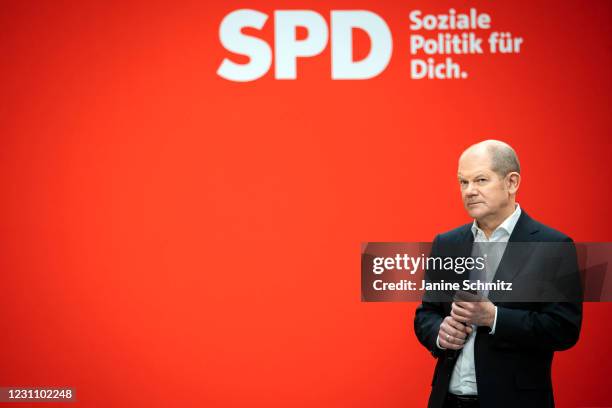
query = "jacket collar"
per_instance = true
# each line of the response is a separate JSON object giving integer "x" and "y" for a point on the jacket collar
{"x": 524, "y": 230}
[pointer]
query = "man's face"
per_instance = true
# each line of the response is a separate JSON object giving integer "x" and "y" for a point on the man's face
{"x": 484, "y": 192}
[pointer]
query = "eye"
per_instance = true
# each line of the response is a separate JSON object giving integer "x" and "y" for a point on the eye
{"x": 481, "y": 180}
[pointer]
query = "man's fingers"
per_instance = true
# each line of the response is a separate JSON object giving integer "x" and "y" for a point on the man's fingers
{"x": 459, "y": 310}
{"x": 448, "y": 330}
{"x": 457, "y": 325}
{"x": 453, "y": 333}
{"x": 448, "y": 345}
{"x": 466, "y": 305}
{"x": 457, "y": 317}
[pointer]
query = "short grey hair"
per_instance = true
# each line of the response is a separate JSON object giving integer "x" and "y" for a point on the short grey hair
{"x": 503, "y": 159}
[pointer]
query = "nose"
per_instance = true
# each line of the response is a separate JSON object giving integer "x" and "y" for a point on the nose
{"x": 471, "y": 190}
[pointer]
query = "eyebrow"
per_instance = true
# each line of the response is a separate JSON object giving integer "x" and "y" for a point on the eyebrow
{"x": 478, "y": 175}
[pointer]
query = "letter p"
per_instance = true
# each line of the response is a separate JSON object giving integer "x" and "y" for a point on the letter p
{"x": 288, "y": 48}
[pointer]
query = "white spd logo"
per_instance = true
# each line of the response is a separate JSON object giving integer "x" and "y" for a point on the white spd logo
{"x": 287, "y": 48}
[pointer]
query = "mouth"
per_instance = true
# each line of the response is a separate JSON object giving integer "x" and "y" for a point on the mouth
{"x": 473, "y": 204}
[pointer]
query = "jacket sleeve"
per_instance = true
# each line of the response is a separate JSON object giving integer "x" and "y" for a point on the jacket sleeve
{"x": 428, "y": 317}
{"x": 553, "y": 326}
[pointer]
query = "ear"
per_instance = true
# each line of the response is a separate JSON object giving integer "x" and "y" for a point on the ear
{"x": 513, "y": 180}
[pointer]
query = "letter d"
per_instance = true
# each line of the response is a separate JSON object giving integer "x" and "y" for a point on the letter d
{"x": 343, "y": 66}
{"x": 418, "y": 69}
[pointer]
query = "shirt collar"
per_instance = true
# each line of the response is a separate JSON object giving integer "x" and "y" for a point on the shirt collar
{"x": 508, "y": 224}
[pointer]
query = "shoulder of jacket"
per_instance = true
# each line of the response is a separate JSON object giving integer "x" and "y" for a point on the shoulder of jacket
{"x": 550, "y": 234}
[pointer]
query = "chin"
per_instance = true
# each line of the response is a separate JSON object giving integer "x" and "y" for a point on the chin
{"x": 475, "y": 213}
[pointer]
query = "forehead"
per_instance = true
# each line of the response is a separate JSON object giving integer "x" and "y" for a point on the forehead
{"x": 474, "y": 163}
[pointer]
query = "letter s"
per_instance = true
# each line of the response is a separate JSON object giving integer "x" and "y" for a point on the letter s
{"x": 256, "y": 49}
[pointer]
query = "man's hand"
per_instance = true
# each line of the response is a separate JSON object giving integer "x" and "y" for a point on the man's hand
{"x": 452, "y": 333}
{"x": 480, "y": 313}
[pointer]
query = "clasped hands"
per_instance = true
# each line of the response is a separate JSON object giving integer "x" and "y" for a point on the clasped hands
{"x": 467, "y": 309}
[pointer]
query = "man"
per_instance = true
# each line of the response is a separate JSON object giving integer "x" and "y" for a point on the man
{"x": 496, "y": 353}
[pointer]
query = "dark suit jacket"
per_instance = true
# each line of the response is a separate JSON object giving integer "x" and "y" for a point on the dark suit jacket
{"x": 513, "y": 366}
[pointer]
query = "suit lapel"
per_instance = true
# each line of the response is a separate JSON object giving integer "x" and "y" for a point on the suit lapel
{"x": 519, "y": 249}
{"x": 460, "y": 248}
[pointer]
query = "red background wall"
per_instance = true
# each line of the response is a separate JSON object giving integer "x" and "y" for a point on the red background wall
{"x": 170, "y": 238}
